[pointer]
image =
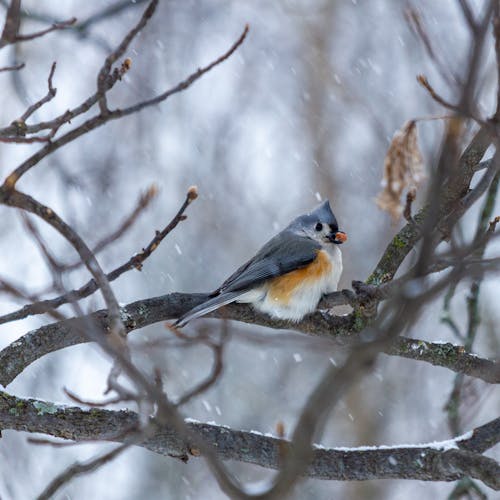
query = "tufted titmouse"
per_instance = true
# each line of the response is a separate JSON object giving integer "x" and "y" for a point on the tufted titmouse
{"x": 289, "y": 274}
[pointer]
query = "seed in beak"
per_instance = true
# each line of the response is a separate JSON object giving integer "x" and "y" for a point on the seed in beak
{"x": 340, "y": 236}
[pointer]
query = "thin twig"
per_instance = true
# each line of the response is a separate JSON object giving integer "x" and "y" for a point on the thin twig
{"x": 410, "y": 198}
{"x": 27, "y": 140}
{"x": 135, "y": 262}
{"x": 99, "y": 404}
{"x": 42, "y": 245}
{"x": 106, "y": 12}
{"x": 469, "y": 17}
{"x": 118, "y": 113}
{"x": 48, "y": 97}
{"x": 15, "y": 67}
{"x": 29, "y": 204}
{"x": 81, "y": 26}
{"x": 142, "y": 203}
{"x": 78, "y": 469}
{"x": 217, "y": 366}
{"x": 104, "y": 73}
{"x": 18, "y": 293}
{"x": 101, "y": 119}
{"x": 62, "y": 25}
{"x": 414, "y": 20}
{"x": 422, "y": 79}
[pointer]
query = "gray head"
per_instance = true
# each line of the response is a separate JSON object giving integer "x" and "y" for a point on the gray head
{"x": 319, "y": 225}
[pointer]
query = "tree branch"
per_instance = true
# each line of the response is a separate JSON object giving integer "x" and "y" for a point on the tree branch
{"x": 447, "y": 355}
{"x": 104, "y": 116}
{"x": 80, "y": 468}
{"x": 135, "y": 262}
{"x": 29, "y": 204}
{"x": 440, "y": 461}
{"x": 142, "y": 203}
{"x": 62, "y": 25}
{"x": 16, "y": 67}
{"x": 12, "y": 22}
{"x": 342, "y": 329}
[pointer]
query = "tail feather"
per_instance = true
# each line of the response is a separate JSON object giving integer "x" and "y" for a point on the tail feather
{"x": 207, "y": 307}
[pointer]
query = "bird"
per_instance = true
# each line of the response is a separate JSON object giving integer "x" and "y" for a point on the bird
{"x": 288, "y": 276}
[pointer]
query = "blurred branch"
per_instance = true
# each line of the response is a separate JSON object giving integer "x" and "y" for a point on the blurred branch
{"x": 50, "y": 259}
{"x": 106, "y": 12}
{"x": 142, "y": 203}
{"x": 135, "y": 262}
{"x": 78, "y": 469}
{"x": 19, "y": 293}
{"x": 12, "y": 23}
{"x": 446, "y": 461}
{"x": 422, "y": 79}
{"x": 62, "y": 25}
{"x": 456, "y": 188}
{"x": 11, "y": 34}
{"x": 106, "y": 81}
{"x": 120, "y": 398}
{"x": 16, "y": 67}
{"x": 27, "y": 203}
{"x": 81, "y": 27}
{"x": 217, "y": 365}
{"x": 496, "y": 34}
{"x": 341, "y": 329}
{"x": 456, "y": 398}
{"x": 449, "y": 198}
{"x": 118, "y": 113}
{"x": 414, "y": 20}
{"x": 468, "y": 15}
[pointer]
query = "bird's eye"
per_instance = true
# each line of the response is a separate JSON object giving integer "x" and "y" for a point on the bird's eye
{"x": 319, "y": 226}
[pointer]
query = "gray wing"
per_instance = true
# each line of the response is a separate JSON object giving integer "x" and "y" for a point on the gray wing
{"x": 283, "y": 253}
{"x": 206, "y": 307}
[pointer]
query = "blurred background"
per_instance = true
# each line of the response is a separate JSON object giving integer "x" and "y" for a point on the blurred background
{"x": 303, "y": 111}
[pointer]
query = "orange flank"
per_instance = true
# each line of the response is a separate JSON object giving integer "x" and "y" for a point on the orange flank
{"x": 282, "y": 288}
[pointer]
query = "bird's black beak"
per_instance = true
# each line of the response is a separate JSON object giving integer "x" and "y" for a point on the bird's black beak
{"x": 339, "y": 237}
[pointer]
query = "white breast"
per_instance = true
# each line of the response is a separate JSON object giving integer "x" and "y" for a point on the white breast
{"x": 305, "y": 299}
{"x": 336, "y": 260}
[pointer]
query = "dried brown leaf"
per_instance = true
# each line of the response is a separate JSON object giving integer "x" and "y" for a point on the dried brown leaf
{"x": 403, "y": 170}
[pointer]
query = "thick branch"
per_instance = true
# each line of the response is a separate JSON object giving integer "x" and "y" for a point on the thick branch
{"x": 342, "y": 329}
{"x": 446, "y": 461}
{"x": 35, "y": 344}
{"x": 447, "y": 355}
{"x": 456, "y": 188}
